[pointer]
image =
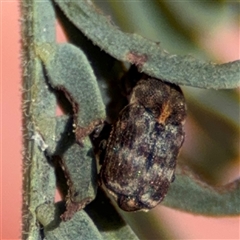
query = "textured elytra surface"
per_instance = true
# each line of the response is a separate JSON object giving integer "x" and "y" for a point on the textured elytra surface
{"x": 143, "y": 145}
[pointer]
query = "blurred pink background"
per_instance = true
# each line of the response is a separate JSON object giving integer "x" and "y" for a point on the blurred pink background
{"x": 186, "y": 226}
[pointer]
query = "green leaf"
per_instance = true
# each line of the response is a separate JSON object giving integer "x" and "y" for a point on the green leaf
{"x": 108, "y": 71}
{"x": 38, "y": 25}
{"x": 79, "y": 227}
{"x": 78, "y": 165}
{"x": 147, "y": 55}
{"x": 190, "y": 194}
{"x": 69, "y": 71}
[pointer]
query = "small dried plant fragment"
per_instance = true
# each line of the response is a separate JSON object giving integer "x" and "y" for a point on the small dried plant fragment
{"x": 143, "y": 145}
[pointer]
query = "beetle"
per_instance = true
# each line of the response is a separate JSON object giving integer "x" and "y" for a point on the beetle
{"x": 143, "y": 145}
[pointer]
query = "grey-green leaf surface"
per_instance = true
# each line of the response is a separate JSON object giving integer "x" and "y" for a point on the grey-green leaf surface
{"x": 38, "y": 114}
{"x": 80, "y": 226}
{"x": 69, "y": 70}
{"x": 147, "y": 55}
{"x": 78, "y": 166}
{"x": 190, "y": 194}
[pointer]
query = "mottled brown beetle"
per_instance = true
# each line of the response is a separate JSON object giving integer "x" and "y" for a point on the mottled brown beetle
{"x": 144, "y": 143}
